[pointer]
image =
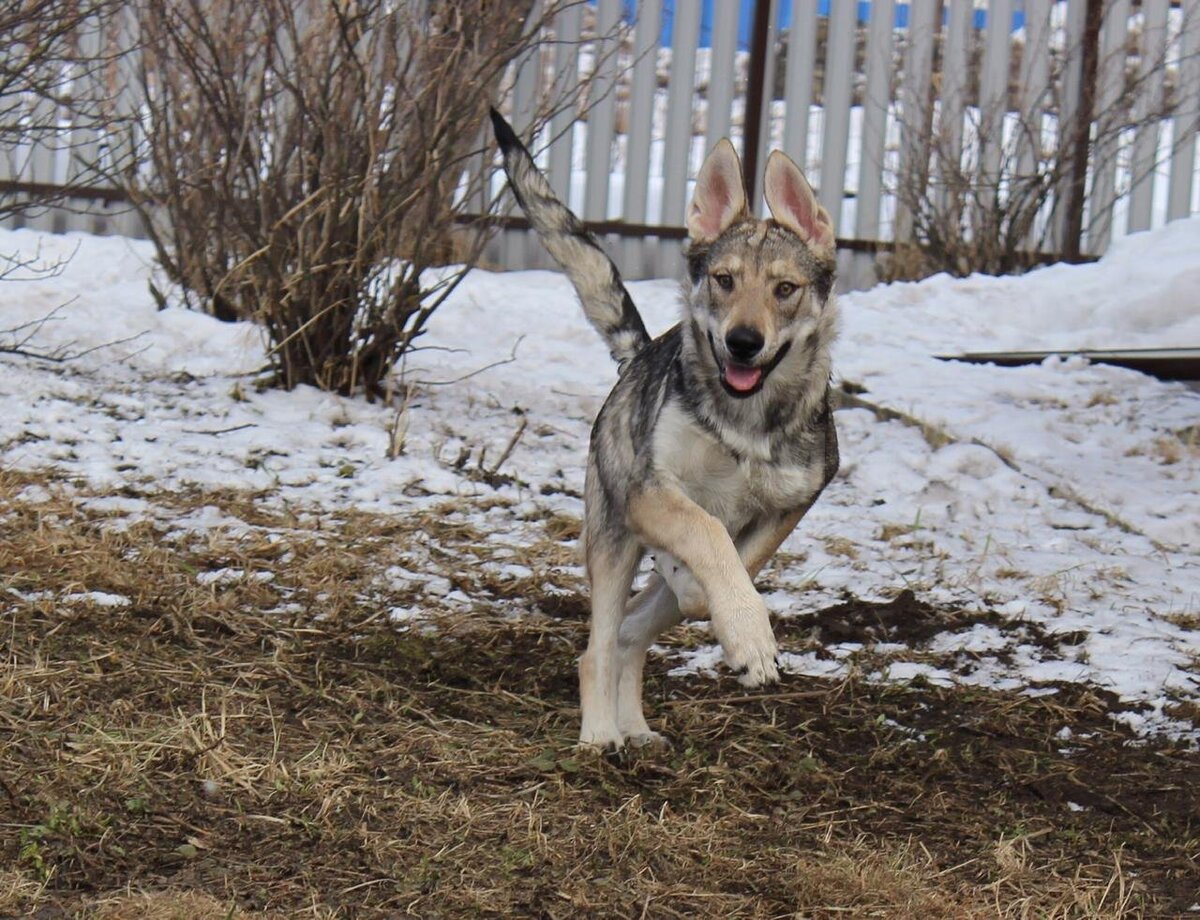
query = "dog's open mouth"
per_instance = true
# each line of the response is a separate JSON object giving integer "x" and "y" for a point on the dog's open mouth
{"x": 742, "y": 380}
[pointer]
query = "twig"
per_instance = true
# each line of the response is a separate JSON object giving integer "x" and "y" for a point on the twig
{"x": 487, "y": 367}
{"x": 62, "y": 354}
{"x": 750, "y": 698}
{"x": 220, "y": 430}
{"x": 512, "y": 443}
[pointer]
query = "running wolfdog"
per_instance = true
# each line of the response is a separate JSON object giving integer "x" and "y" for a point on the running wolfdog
{"x": 718, "y": 435}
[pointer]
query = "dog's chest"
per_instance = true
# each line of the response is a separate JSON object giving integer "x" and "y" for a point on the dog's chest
{"x": 735, "y": 488}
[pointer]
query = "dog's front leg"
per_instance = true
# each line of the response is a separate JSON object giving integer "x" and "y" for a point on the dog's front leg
{"x": 756, "y": 544}
{"x": 666, "y": 519}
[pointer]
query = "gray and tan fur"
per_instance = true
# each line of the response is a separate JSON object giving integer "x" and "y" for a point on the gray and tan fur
{"x": 718, "y": 435}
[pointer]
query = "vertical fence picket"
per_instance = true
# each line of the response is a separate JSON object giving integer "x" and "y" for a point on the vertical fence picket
{"x": 602, "y": 99}
{"x": 722, "y": 73}
{"x": 993, "y": 92}
{"x": 1187, "y": 115}
{"x": 798, "y": 80}
{"x": 877, "y": 98}
{"x": 677, "y": 145}
{"x": 959, "y": 31}
{"x": 839, "y": 80}
{"x": 567, "y": 25}
{"x": 1035, "y": 82}
{"x": 1110, "y": 81}
{"x": 1151, "y": 75}
{"x": 1068, "y": 117}
{"x": 523, "y": 248}
{"x": 637, "y": 256}
{"x": 916, "y": 106}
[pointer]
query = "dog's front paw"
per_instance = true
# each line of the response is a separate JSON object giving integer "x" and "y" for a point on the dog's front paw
{"x": 749, "y": 645}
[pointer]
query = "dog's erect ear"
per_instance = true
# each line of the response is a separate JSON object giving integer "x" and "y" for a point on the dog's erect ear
{"x": 793, "y": 204}
{"x": 720, "y": 196}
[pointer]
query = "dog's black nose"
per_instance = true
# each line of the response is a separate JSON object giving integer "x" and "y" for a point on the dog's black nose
{"x": 743, "y": 342}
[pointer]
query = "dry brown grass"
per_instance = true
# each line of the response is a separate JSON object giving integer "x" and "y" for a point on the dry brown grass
{"x": 257, "y": 748}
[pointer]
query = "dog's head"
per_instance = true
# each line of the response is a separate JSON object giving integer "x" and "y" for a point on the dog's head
{"x": 757, "y": 286}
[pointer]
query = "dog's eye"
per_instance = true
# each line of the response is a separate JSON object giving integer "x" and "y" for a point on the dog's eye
{"x": 725, "y": 280}
{"x": 784, "y": 289}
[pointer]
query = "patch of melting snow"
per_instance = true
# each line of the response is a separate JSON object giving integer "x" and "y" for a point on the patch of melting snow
{"x": 227, "y": 576}
{"x": 99, "y": 598}
{"x": 981, "y": 523}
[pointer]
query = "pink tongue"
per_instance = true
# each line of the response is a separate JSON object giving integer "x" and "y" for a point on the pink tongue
{"x": 742, "y": 378}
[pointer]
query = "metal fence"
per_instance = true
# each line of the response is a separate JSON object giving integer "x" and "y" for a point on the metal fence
{"x": 853, "y": 91}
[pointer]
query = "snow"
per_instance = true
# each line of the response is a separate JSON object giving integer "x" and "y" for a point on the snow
{"x": 1060, "y": 497}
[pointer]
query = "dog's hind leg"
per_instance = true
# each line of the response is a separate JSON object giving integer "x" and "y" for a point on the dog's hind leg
{"x": 612, "y": 564}
{"x": 653, "y": 610}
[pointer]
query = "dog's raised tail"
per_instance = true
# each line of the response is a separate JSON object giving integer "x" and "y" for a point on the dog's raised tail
{"x": 606, "y": 302}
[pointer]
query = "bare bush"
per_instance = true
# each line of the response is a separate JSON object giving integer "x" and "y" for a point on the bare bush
{"x": 300, "y": 164}
{"x": 53, "y": 53}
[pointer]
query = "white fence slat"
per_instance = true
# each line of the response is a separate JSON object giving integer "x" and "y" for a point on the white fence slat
{"x": 770, "y": 68}
{"x": 918, "y": 74}
{"x": 959, "y": 31}
{"x": 568, "y": 25}
{"x": 1072, "y": 82}
{"x": 1034, "y": 78}
{"x": 722, "y": 73}
{"x": 641, "y": 116}
{"x": 839, "y": 80}
{"x": 798, "y": 80}
{"x": 641, "y": 110}
{"x": 524, "y": 97}
{"x": 878, "y": 95}
{"x": 681, "y": 93}
{"x": 994, "y": 89}
{"x": 1110, "y": 80}
{"x": 1151, "y": 76}
{"x": 1035, "y": 83}
{"x": 1187, "y": 116}
{"x": 522, "y": 249}
{"x": 600, "y": 114}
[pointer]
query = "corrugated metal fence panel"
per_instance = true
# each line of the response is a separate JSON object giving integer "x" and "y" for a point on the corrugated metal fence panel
{"x": 1187, "y": 115}
{"x": 1150, "y": 90}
